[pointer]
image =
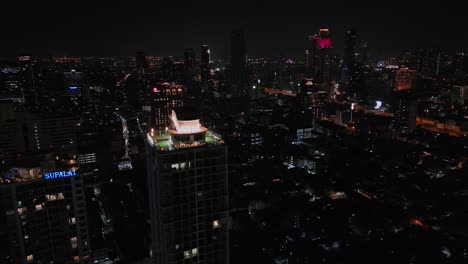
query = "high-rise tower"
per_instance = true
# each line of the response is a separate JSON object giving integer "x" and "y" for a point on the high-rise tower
{"x": 189, "y": 67}
{"x": 205, "y": 63}
{"x": 238, "y": 60}
{"x": 43, "y": 212}
{"x": 187, "y": 186}
{"x": 321, "y": 55}
{"x": 350, "y": 47}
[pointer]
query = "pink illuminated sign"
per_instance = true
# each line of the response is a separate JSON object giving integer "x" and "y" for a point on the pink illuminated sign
{"x": 324, "y": 43}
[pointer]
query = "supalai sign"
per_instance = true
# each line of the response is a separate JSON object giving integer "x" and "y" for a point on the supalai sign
{"x": 59, "y": 174}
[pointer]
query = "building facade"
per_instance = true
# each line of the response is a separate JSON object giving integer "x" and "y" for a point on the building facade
{"x": 44, "y": 219}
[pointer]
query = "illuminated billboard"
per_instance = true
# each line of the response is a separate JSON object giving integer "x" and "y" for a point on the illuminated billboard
{"x": 59, "y": 174}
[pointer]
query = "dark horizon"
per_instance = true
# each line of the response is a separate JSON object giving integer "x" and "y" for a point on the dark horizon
{"x": 163, "y": 29}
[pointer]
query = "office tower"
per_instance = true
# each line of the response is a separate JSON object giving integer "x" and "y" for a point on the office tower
{"x": 350, "y": 48}
{"x": 322, "y": 57}
{"x": 205, "y": 63}
{"x": 187, "y": 185}
{"x": 164, "y": 97}
{"x": 30, "y": 80}
{"x": 404, "y": 79}
{"x": 405, "y": 112}
{"x": 140, "y": 61}
{"x": 43, "y": 212}
{"x": 238, "y": 58}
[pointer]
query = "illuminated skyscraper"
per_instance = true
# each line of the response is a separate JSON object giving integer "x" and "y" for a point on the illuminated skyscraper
{"x": 164, "y": 97}
{"x": 205, "y": 63}
{"x": 322, "y": 57}
{"x": 187, "y": 187}
{"x": 43, "y": 212}
{"x": 238, "y": 60}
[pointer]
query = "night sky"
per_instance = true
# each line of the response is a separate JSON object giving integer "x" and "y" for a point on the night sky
{"x": 76, "y": 28}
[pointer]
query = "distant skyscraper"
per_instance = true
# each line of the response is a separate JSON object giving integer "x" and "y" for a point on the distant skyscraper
{"x": 350, "y": 48}
{"x": 461, "y": 66}
{"x": 187, "y": 187}
{"x": 189, "y": 66}
{"x": 205, "y": 63}
{"x": 238, "y": 60}
{"x": 43, "y": 212}
{"x": 322, "y": 57}
{"x": 164, "y": 97}
{"x": 29, "y": 70}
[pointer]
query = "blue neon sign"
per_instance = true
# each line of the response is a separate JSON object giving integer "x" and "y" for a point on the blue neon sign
{"x": 72, "y": 87}
{"x": 59, "y": 174}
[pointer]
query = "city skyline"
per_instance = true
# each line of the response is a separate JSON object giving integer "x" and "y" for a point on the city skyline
{"x": 233, "y": 133}
{"x": 165, "y": 29}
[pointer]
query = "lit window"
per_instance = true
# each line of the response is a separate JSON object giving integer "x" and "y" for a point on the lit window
{"x": 74, "y": 242}
{"x": 194, "y": 251}
{"x": 39, "y": 207}
{"x": 22, "y": 210}
{"x": 29, "y": 258}
{"x": 186, "y": 254}
{"x": 216, "y": 224}
{"x": 72, "y": 220}
{"x": 51, "y": 197}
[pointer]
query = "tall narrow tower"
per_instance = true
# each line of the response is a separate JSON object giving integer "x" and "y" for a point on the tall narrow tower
{"x": 205, "y": 63}
{"x": 238, "y": 60}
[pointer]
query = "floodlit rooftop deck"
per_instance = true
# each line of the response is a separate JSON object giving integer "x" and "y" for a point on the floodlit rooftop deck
{"x": 164, "y": 142}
